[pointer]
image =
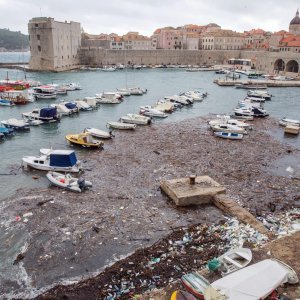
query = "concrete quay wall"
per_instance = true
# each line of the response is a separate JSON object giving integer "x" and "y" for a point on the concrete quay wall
{"x": 99, "y": 57}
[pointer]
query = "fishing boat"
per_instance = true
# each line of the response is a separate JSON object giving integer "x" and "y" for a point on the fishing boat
{"x": 16, "y": 97}
{"x": 229, "y": 135}
{"x": 182, "y": 295}
{"x": 84, "y": 139}
{"x": 121, "y": 126}
{"x": 43, "y": 92}
{"x": 15, "y": 124}
{"x": 101, "y": 134}
{"x": 46, "y": 114}
{"x": 68, "y": 182}
{"x": 195, "y": 284}
{"x": 234, "y": 260}
{"x": 136, "y": 119}
{"x": 57, "y": 160}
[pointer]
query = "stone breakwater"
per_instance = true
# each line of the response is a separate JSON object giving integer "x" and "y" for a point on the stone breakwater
{"x": 73, "y": 236}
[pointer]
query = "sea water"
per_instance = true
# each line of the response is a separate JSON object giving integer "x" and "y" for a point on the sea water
{"x": 158, "y": 82}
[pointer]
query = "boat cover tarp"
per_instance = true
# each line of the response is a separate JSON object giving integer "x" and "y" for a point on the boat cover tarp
{"x": 70, "y": 105}
{"x": 62, "y": 159}
{"x": 48, "y": 112}
{"x": 253, "y": 282}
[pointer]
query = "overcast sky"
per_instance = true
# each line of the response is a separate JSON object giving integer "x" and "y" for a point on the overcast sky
{"x": 99, "y": 16}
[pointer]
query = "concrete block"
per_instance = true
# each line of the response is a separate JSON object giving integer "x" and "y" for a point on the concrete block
{"x": 192, "y": 191}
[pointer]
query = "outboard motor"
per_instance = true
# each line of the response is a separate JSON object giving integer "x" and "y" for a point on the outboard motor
{"x": 81, "y": 184}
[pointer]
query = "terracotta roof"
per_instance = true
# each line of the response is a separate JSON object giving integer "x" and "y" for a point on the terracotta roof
{"x": 294, "y": 44}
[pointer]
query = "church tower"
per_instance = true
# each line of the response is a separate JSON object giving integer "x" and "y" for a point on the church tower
{"x": 294, "y": 27}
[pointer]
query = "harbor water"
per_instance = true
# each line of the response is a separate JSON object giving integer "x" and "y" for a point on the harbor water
{"x": 158, "y": 82}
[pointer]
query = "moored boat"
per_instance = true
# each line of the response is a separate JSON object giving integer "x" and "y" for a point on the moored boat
{"x": 101, "y": 134}
{"x": 229, "y": 135}
{"x": 5, "y": 102}
{"x": 68, "y": 182}
{"x": 182, "y": 295}
{"x": 228, "y": 128}
{"x": 46, "y": 114}
{"x": 6, "y": 131}
{"x": 152, "y": 112}
{"x": 57, "y": 160}
{"x": 287, "y": 121}
{"x": 43, "y": 92}
{"x": 84, "y": 139}
{"x": 15, "y": 124}
{"x": 121, "y": 125}
{"x": 136, "y": 119}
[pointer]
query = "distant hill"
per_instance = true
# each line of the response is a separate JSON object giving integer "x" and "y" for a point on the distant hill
{"x": 13, "y": 40}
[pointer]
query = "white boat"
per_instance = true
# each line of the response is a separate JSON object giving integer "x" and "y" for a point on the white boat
{"x": 285, "y": 121}
{"x": 57, "y": 160}
{"x": 121, "y": 126}
{"x": 61, "y": 109}
{"x": 66, "y": 181}
{"x": 46, "y": 114}
{"x": 33, "y": 122}
{"x": 229, "y": 135}
{"x": 73, "y": 86}
{"x": 256, "y": 281}
{"x": 15, "y": 124}
{"x": 194, "y": 95}
{"x": 82, "y": 105}
{"x": 42, "y": 92}
{"x": 108, "y": 69}
{"x": 255, "y": 99}
{"x": 164, "y": 106}
{"x": 124, "y": 92}
{"x": 136, "y": 119}
{"x": 59, "y": 89}
{"x": 109, "y": 98}
{"x": 101, "y": 134}
{"x": 228, "y": 120}
{"x": 152, "y": 112}
{"x": 71, "y": 106}
{"x": 234, "y": 260}
{"x": 259, "y": 94}
{"x": 180, "y": 99}
{"x": 228, "y": 128}
{"x": 91, "y": 101}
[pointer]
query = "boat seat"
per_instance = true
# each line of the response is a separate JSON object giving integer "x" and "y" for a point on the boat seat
{"x": 228, "y": 259}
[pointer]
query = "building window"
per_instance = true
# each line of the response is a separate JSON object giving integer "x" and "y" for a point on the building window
{"x": 36, "y": 25}
{"x": 38, "y": 37}
{"x": 62, "y": 57}
{"x": 39, "y": 48}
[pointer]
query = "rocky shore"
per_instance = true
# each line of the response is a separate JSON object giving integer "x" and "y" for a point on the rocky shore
{"x": 76, "y": 236}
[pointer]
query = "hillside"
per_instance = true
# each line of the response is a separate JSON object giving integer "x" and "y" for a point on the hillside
{"x": 13, "y": 40}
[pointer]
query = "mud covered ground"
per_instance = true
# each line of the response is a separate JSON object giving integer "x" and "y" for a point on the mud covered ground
{"x": 73, "y": 236}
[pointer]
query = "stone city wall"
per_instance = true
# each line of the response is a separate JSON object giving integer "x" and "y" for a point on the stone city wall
{"x": 99, "y": 57}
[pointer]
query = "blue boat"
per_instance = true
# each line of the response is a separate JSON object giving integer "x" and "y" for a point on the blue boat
{"x": 228, "y": 135}
{"x": 5, "y": 102}
{"x": 56, "y": 160}
{"x": 48, "y": 114}
{"x": 72, "y": 107}
{"x": 6, "y": 131}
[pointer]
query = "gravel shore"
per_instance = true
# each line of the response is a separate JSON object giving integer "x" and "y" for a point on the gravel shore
{"x": 76, "y": 236}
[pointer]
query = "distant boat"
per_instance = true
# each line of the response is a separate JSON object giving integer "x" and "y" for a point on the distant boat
{"x": 5, "y": 102}
{"x": 43, "y": 92}
{"x": 152, "y": 112}
{"x": 285, "y": 121}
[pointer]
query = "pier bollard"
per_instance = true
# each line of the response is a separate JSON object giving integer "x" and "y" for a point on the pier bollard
{"x": 192, "y": 179}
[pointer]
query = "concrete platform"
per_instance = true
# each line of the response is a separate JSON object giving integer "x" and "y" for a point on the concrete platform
{"x": 194, "y": 191}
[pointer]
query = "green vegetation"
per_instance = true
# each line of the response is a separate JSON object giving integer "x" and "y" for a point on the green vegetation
{"x": 13, "y": 40}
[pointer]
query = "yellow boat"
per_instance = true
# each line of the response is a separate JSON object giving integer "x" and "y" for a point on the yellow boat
{"x": 84, "y": 140}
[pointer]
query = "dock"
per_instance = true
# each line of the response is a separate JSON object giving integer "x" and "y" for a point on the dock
{"x": 198, "y": 190}
{"x": 254, "y": 83}
{"x": 16, "y": 66}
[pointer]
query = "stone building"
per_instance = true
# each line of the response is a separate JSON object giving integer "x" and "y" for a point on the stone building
{"x": 222, "y": 40}
{"x": 54, "y": 45}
